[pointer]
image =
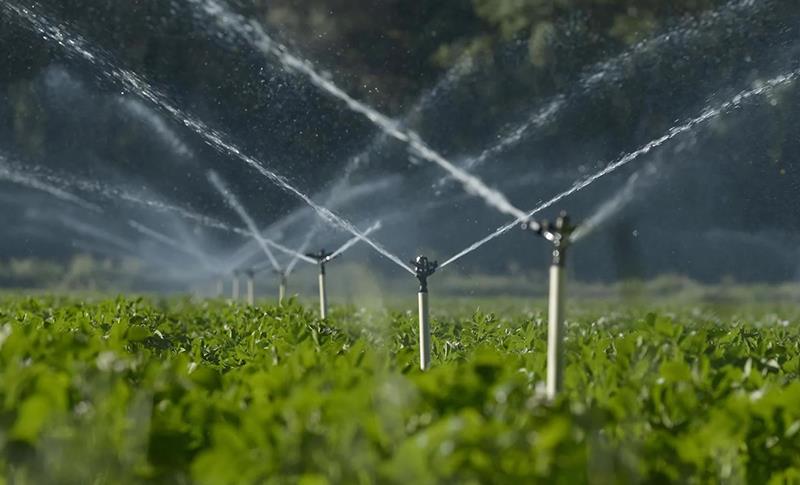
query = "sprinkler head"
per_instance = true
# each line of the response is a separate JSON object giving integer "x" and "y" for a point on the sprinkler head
{"x": 250, "y": 273}
{"x": 322, "y": 256}
{"x": 558, "y": 232}
{"x": 532, "y": 225}
{"x": 424, "y": 268}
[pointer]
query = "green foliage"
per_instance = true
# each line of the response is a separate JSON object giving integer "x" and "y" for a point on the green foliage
{"x": 127, "y": 391}
{"x": 625, "y": 20}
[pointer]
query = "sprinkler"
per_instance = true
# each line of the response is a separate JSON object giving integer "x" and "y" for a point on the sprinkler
{"x": 423, "y": 269}
{"x": 251, "y": 297}
{"x": 220, "y": 288}
{"x": 322, "y": 258}
{"x": 235, "y": 286}
{"x": 281, "y": 286}
{"x": 559, "y": 233}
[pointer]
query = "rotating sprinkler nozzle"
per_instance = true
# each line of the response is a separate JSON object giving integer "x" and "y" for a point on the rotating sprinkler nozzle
{"x": 322, "y": 258}
{"x": 559, "y": 233}
{"x": 423, "y": 268}
{"x": 250, "y": 286}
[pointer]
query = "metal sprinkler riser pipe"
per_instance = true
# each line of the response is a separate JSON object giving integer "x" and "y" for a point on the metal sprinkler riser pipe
{"x": 559, "y": 233}
{"x": 323, "y": 293}
{"x": 250, "y": 287}
{"x": 282, "y": 289}
{"x": 423, "y": 269}
{"x": 555, "y": 332}
{"x": 323, "y": 257}
{"x": 281, "y": 286}
{"x": 424, "y": 331}
{"x": 235, "y": 287}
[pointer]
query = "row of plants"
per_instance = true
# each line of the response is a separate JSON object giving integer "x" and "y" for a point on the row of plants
{"x": 179, "y": 391}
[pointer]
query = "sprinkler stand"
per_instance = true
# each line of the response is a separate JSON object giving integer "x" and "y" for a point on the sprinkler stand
{"x": 282, "y": 289}
{"x": 423, "y": 269}
{"x": 251, "y": 297}
{"x": 235, "y": 286}
{"x": 322, "y": 257}
{"x": 220, "y": 288}
{"x": 559, "y": 234}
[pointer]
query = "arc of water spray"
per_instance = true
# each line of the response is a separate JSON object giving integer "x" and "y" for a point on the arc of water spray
{"x": 347, "y": 245}
{"x": 236, "y": 205}
{"x": 116, "y": 193}
{"x": 158, "y": 125}
{"x": 97, "y": 233}
{"x": 233, "y": 203}
{"x": 91, "y": 231}
{"x": 70, "y": 222}
{"x": 607, "y": 72}
{"x": 11, "y": 174}
{"x": 258, "y": 37}
{"x": 75, "y": 45}
{"x": 464, "y": 66}
{"x": 303, "y": 249}
{"x": 611, "y": 207}
{"x": 168, "y": 241}
{"x": 706, "y": 115}
{"x": 352, "y": 242}
{"x": 277, "y": 228}
{"x": 60, "y": 181}
{"x": 159, "y": 237}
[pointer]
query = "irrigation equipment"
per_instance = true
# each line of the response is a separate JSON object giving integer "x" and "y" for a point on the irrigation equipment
{"x": 233, "y": 202}
{"x": 281, "y": 286}
{"x": 251, "y": 297}
{"x": 281, "y": 273}
{"x": 54, "y": 32}
{"x": 423, "y": 268}
{"x": 12, "y": 174}
{"x": 236, "y": 24}
{"x": 559, "y": 233}
{"x": 322, "y": 258}
{"x": 235, "y": 286}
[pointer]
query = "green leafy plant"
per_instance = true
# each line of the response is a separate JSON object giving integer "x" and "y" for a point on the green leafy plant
{"x": 131, "y": 391}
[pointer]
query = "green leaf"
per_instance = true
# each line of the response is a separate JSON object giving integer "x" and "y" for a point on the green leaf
{"x": 675, "y": 371}
{"x": 137, "y": 333}
{"x": 31, "y": 418}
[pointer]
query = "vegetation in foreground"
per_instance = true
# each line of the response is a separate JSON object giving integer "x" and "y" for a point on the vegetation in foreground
{"x": 128, "y": 391}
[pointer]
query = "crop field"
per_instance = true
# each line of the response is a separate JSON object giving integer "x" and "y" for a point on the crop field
{"x": 179, "y": 391}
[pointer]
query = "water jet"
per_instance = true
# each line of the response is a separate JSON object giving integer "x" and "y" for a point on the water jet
{"x": 77, "y": 46}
